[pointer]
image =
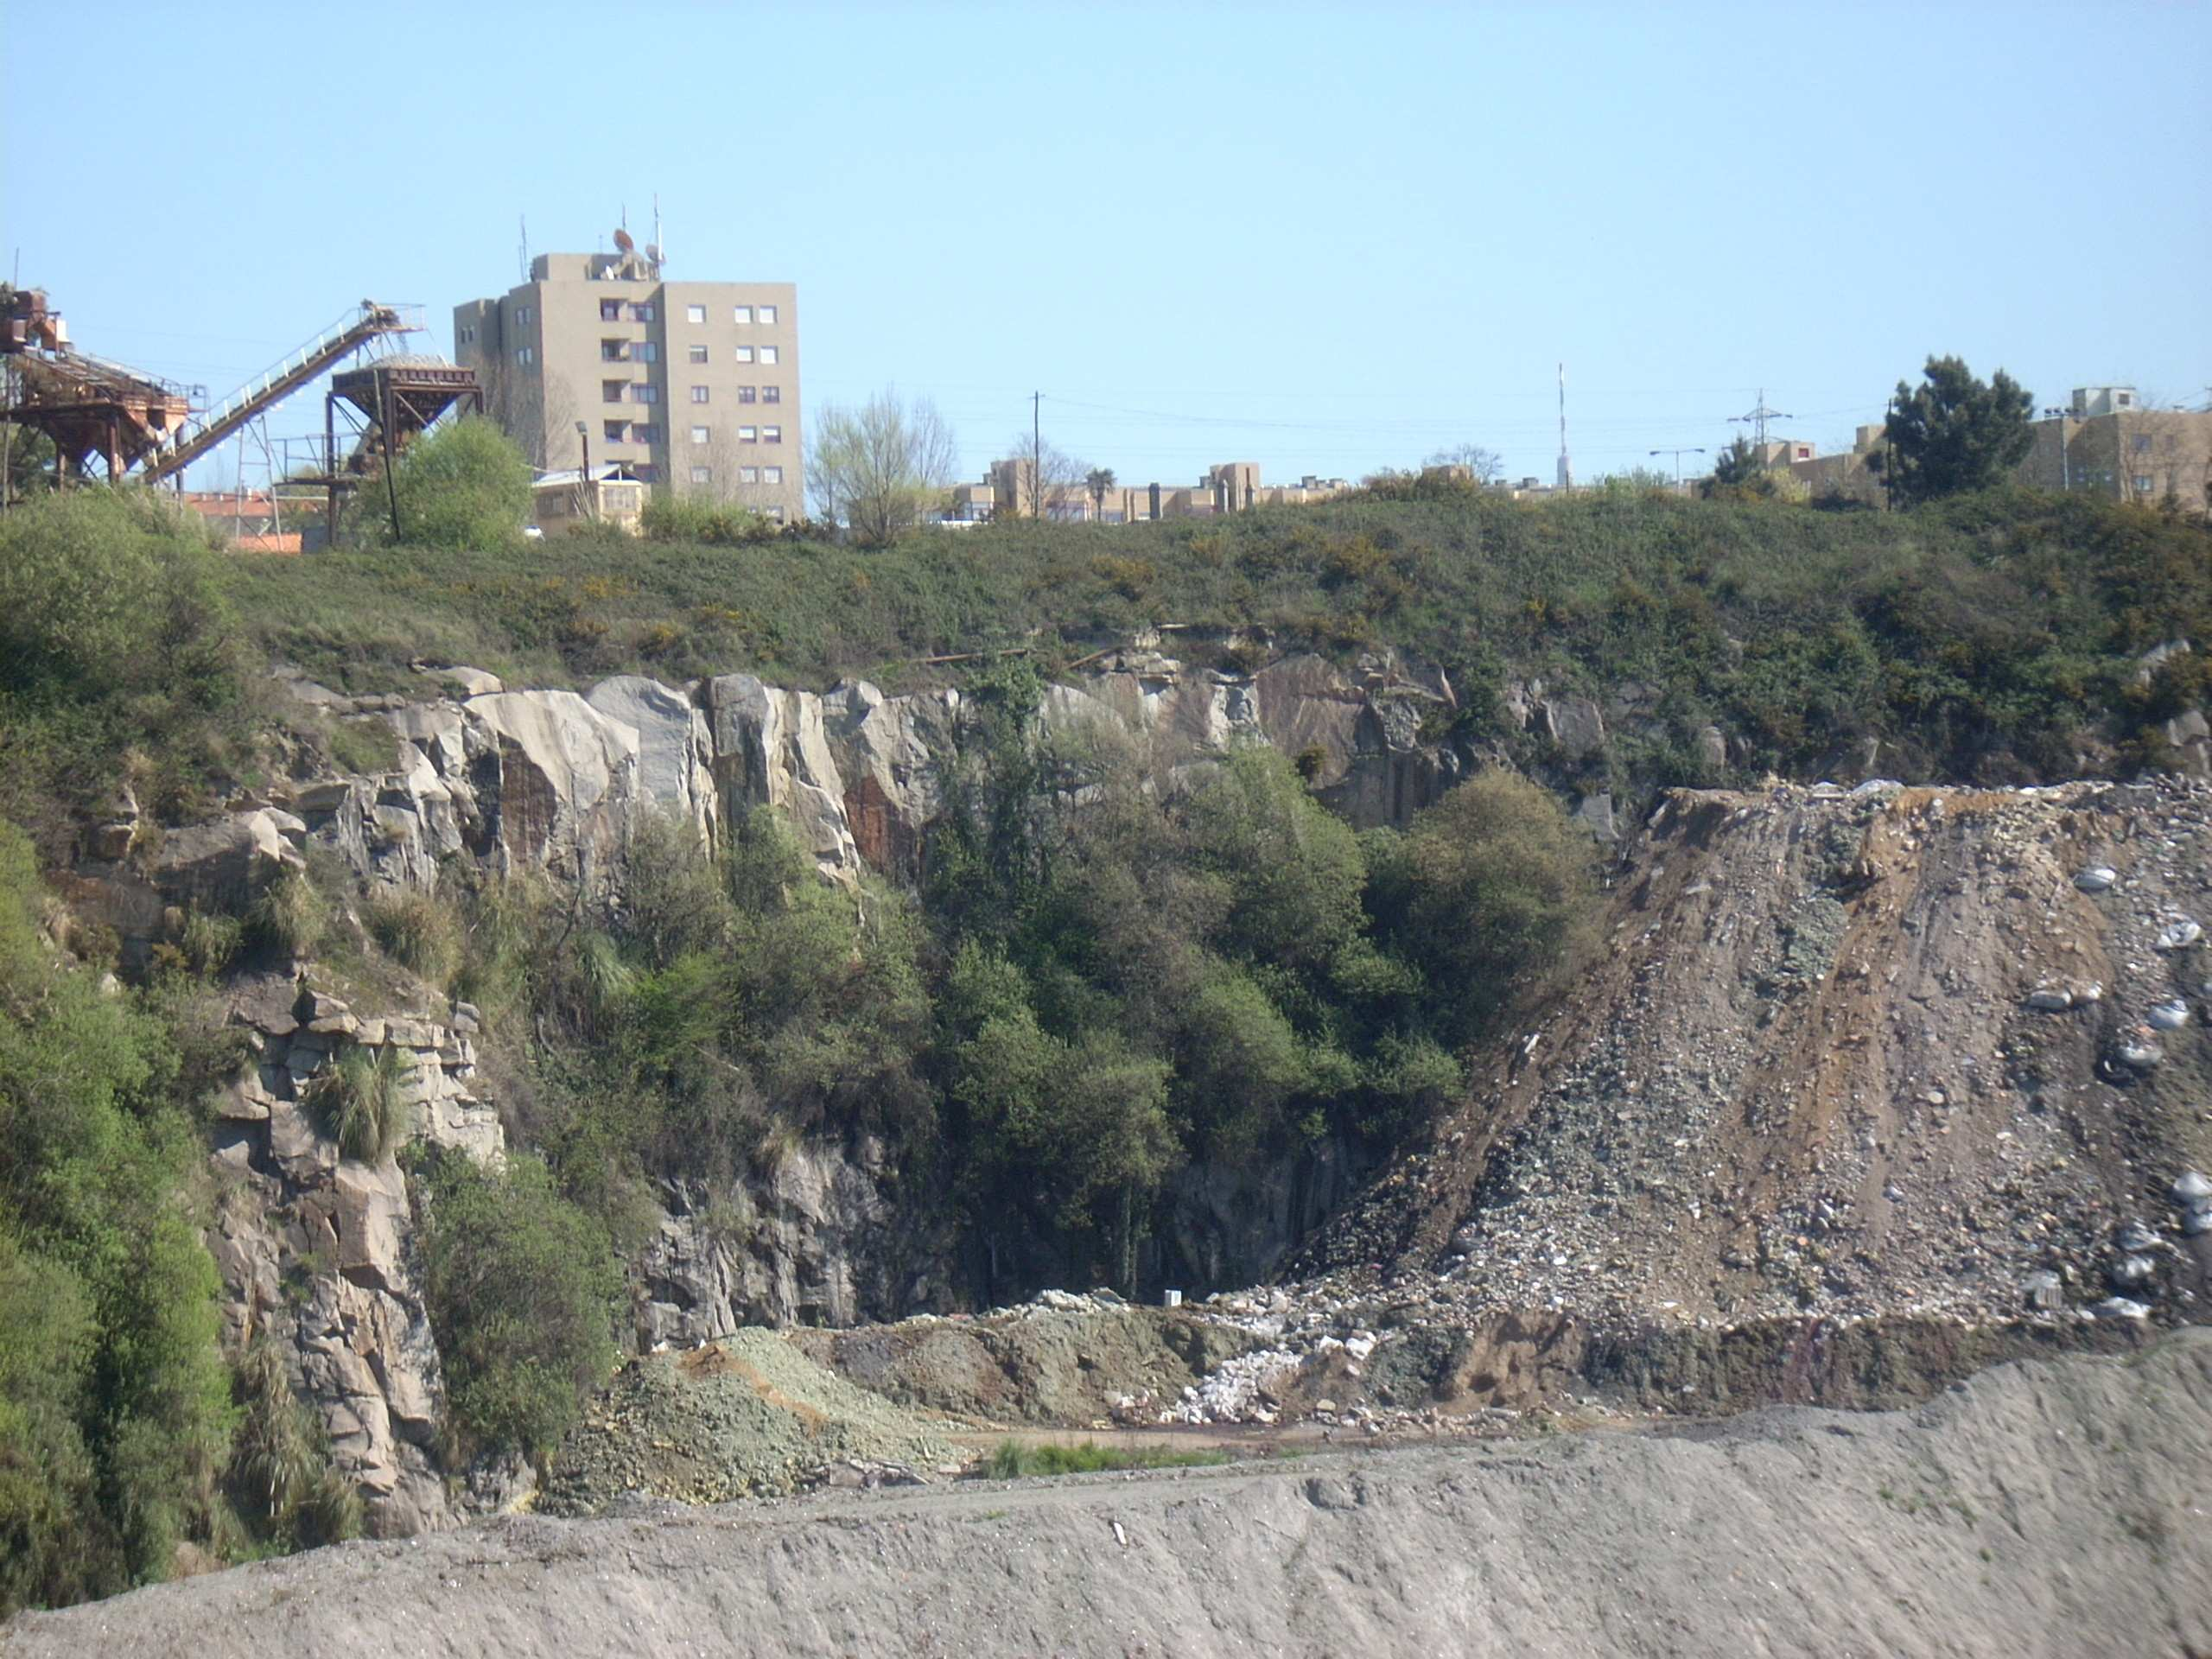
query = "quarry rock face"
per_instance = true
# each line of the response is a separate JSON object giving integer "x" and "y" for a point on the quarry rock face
{"x": 553, "y": 780}
{"x": 317, "y": 1251}
{"x": 816, "y": 1240}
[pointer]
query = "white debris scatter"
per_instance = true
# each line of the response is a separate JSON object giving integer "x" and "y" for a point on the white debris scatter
{"x": 1237, "y": 1391}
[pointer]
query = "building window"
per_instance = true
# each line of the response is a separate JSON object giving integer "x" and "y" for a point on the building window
{"x": 2142, "y": 483}
{"x": 2120, "y": 402}
{"x": 695, "y": 353}
{"x": 694, "y": 313}
{"x": 521, "y": 315}
{"x": 643, "y": 433}
{"x": 525, "y": 356}
{"x": 614, "y": 351}
{"x": 772, "y": 435}
{"x": 646, "y": 472}
{"x": 768, "y": 354}
{"x": 771, "y": 394}
{"x": 748, "y": 435}
{"x": 745, "y": 394}
{"x": 748, "y": 474}
{"x": 641, "y": 393}
{"x": 745, "y": 353}
{"x": 772, "y": 474}
{"x": 468, "y": 336}
{"x": 614, "y": 431}
{"x": 610, "y": 310}
{"x": 741, "y": 313}
{"x": 2142, "y": 444}
{"x": 767, "y": 316}
{"x": 645, "y": 351}
{"x": 643, "y": 311}
{"x": 702, "y": 474}
{"x": 611, "y": 391}
{"x": 699, "y": 394}
{"x": 700, "y": 434}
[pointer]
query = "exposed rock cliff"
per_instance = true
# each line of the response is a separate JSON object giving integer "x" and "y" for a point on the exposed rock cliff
{"x": 315, "y": 1251}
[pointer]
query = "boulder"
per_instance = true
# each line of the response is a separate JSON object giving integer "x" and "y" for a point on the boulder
{"x": 1576, "y": 724}
{"x": 222, "y": 865}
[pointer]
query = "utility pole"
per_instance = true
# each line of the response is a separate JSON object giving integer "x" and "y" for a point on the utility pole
{"x": 1678, "y": 454}
{"x": 1758, "y": 418}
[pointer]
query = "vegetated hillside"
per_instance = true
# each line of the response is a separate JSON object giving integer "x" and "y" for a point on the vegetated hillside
{"x": 1098, "y": 984}
{"x": 1991, "y": 638}
{"x": 2039, "y": 1508}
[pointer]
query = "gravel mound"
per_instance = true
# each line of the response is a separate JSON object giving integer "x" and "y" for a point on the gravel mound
{"x": 2040, "y": 1509}
{"x": 746, "y": 1416}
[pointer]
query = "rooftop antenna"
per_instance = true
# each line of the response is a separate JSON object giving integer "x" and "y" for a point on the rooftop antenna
{"x": 1565, "y": 467}
{"x": 1759, "y": 417}
{"x": 652, "y": 249}
{"x": 522, "y": 248}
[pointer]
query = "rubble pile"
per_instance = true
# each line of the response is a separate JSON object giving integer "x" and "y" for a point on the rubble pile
{"x": 1852, "y": 1055}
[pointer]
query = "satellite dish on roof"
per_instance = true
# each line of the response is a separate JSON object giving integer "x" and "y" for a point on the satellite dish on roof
{"x": 622, "y": 241}
{"x": 653, "y": 253}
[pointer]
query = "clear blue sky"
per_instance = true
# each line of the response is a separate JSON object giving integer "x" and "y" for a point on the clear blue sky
{"x": 1328, "y": 238}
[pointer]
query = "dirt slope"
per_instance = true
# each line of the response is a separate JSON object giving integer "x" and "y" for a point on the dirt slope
{"x": 2040, "y": 1510}
{"x": 1809, "y": 1076}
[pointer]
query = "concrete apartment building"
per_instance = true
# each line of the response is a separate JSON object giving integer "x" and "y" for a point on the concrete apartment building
{"x": 2104, "y": 442}
{"x": 1231, "y": 486}
{"x": 690, "y": 388}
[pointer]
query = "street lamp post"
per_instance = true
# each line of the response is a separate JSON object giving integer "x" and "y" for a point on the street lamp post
{"x": 1678, "y": 454}
{"x": 585, "y": 494}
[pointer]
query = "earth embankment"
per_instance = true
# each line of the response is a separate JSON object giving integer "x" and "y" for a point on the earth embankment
{"x": 2039, "y": 1508}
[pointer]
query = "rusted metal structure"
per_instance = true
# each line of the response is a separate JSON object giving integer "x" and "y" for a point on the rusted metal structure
{"x": 90, "y": 407}
{"x": 85, "y": 404}
{"x": 396, "y": 399}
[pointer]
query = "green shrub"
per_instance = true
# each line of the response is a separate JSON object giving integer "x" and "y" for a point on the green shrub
{"x": 1011, "y": 1460}
{"x": 703, "y": 523}
{"x": 280, "y": 1468}
{"x": 416, "y": 930}
{"x": 209, "y": 941}
{"x": 358, "y": 1100}
{"x": 522, "y": 1288}
{"x": 290, "y": 917}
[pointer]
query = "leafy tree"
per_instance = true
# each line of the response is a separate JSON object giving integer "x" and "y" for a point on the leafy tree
{"x": 1483, "y": 466}
{"x": 114, "y": 1400}
{"x": 1490, "y": 893}
{"x": 1952, "y": 433}
{"x": 463, "y": 486}
{"x": 882, "y": 468}
{"x": 1738, "y": 466}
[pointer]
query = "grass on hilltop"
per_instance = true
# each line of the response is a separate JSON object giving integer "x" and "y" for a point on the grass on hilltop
{"x": 1974, "y": 639}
